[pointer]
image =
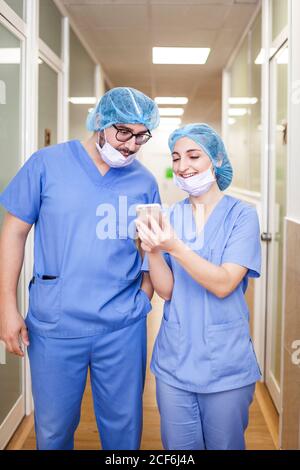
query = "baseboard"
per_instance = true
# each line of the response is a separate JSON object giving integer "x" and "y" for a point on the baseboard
{"x": 21, "y": 434}
{"x": 269, "y": 411}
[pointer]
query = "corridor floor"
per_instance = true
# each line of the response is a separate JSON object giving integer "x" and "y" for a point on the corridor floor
{"x": 258, "y": 436}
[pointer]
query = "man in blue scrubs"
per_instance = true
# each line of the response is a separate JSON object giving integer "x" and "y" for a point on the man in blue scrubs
{"x": 88, "y": 299}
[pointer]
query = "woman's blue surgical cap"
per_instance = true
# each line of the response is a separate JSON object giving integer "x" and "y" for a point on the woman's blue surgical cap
{"x": 123, "y": 105}
{"x": 212, "y": 144}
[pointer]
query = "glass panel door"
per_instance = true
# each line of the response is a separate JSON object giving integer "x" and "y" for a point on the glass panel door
{"x": 279, "y": 16}
{"x": 18, "y": 6}
{"x": 11, "y": 366}
{"x": 48, "y": 105}
{"x": 277, "y": 210}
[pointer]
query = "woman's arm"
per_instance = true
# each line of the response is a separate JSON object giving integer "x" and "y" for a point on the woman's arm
{"x": 161, "y": 275}
{"x": 220, "y": 280}
{"x": 147, "y": 286}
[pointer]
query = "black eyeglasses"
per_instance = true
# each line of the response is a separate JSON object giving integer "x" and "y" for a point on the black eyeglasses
{"x": 123, "y": 135}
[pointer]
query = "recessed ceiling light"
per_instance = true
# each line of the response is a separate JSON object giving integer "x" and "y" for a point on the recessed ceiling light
{"x": 242, "y": 100}
{"x": 83, "y": 100}
{"x": 180, "y": 55}
{"x": 171, "y": 111}
{"x": 174, "y": 121}
{"x": 237, "y": 112}
{"x": 171, "y": 100}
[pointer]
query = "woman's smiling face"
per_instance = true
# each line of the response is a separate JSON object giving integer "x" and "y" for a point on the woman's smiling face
{"x": 189, "y": 159}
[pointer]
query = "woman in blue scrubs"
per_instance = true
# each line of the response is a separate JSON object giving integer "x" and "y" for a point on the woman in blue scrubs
{"x": 88, "y": 299}
{"x": 199, "y": 263}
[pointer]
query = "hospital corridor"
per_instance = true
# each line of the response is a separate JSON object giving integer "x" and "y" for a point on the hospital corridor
{"x": 118, "y": 107}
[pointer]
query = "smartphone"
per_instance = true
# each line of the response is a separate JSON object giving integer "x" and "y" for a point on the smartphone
{"x": 143, "y": 210}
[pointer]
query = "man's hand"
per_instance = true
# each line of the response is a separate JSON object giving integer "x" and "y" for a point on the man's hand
{"x": 13, "y": 237}
{"x": 13, "y": 331}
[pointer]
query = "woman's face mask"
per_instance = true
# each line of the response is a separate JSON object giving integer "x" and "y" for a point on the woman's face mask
{"x": 192, "y": 167}
{"x": 112, "y": 156}
{"x": 196, "y": 185}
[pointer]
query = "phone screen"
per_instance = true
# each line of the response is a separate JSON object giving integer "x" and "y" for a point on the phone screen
{"x": 143, "y": 210}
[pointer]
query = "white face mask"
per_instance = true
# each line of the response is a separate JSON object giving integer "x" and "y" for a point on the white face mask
{"x": 196, "y": 185}
{"x": 113, "y": 157}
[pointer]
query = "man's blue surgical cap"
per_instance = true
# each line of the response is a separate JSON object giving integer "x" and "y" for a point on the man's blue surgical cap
{"x": 123, "y": 105}
{"x": 212, "y": 144}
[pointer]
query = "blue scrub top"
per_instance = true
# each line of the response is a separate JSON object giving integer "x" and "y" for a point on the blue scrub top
{"x": 204, "y": 344}
{"x": 98, "y": 279}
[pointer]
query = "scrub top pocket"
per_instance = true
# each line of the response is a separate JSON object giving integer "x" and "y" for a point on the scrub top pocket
{"x": 167, "y": 346}
{"x": 127, "y": 304}
{"x": 230, "y": 348}
{"x": 45, "y": 299}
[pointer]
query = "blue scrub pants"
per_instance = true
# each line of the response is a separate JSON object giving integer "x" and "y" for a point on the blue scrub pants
{"x": 59, "y": 367}
{"x": 198, "y": 421}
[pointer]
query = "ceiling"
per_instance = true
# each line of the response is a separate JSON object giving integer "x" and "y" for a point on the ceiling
{"x": 121, "y": 34}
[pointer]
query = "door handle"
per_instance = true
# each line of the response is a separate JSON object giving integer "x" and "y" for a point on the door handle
{"x": 266, "y": 237}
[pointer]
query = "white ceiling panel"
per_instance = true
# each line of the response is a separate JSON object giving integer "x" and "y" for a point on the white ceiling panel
{"x": 189, "y": 17}
{"x": 109, "y": 16}
{"x": 121, "y": 34}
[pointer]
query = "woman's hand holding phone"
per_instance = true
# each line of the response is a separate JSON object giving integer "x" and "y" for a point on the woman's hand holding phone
{"x": 154, "y": 230}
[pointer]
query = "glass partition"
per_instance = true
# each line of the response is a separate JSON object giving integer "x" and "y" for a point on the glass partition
{"x": 10, "y": 136}
{"x": 244, "y": 119}
{"x": 18, "y": 6}
{"x": 279, "y": 16}
{"x": 50, "y": 26}
{"x": 82, "y": 85}
{"x": 48, "y": 106}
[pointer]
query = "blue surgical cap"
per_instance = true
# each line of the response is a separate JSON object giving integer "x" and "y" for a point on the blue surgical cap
{"x": 123, "y": 105}
{"x": 212, "y": 144}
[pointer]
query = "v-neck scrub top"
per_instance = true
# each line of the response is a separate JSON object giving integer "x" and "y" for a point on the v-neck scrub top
{"x": 204, "y": 344}
{"x": 97, "y": 278}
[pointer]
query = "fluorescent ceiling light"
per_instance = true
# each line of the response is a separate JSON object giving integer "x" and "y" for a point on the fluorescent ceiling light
{"x": 283, "y": 58}
{"x": 174, "y": 121}
{"x": 83, "y": 100}
{"x": 180, "y": 55}
{"x": 231, "y": 121}
{"x": 260, "y": 59}
{"x": 171, "y": 111}
{"x": 10, "y": 55}
{"x": 237, "y": 111}
{"x": 171, "y": 100}
{"x": 242, "y": 100}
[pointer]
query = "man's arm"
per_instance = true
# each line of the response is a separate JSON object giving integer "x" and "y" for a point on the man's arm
{"x": 12, "y": 246}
